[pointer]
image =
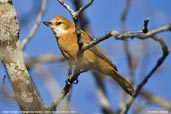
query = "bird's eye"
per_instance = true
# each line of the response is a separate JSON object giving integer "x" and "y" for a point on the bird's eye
{"x": 59, "y": 22}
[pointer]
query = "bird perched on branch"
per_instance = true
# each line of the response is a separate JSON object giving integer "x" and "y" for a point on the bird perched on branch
{"x": 92, "y": 59}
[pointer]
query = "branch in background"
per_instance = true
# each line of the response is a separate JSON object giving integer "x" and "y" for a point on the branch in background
{"x": 126, "y": 43}
{"x": 127, "y": 50}
{"x": 156, "y": 99}
{"x": 101, "y": 93}
{"x": 35, "y": 26}
{"x": 70, "y": 80}
{"x": 3, "y": 89}
{"x": 124, "y": 15}
{"x": 139, "y": 107}
{"x": 31, "y": 62}
{"x": 148, "y": 76}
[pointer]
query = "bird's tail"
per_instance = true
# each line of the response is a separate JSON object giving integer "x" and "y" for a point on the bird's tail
{"x": 123, "y": 82}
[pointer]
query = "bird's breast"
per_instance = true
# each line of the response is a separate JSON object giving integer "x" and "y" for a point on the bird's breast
{"x": 68, "y": 47}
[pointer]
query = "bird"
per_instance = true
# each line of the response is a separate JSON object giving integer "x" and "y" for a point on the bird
{"x": 93, "y": 58}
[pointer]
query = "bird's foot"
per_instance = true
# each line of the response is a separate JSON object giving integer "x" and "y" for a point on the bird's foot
{"x": 69, "y": 80}
{"x": 76, "y": 81}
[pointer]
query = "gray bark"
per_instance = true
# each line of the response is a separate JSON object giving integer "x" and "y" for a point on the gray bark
{"x": 11, "y": 55}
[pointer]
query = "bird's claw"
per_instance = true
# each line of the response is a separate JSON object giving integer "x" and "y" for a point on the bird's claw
{"x": 76, "y": 81}
{"x": 67, "y": 82}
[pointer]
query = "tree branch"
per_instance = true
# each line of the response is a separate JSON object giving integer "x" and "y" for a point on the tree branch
{"x": 30, "y": 62}
{"x": 67, "y": 7}
{"x": 82, "y": 18}
{"x": 101, "y": 93}
{"x": 123, "y": 36}
{"x": 83, "y": 8}
{"x": 156, "y": 99}
{"x": 36, "y": 25}
{"x": 11, "y": 55}
{"x": 126, "y": 43}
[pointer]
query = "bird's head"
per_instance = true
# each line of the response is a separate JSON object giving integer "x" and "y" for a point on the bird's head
{"x": 60, "y": 25}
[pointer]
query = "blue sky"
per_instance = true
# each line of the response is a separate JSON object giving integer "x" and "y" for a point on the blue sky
{"x": 103, "y": 16}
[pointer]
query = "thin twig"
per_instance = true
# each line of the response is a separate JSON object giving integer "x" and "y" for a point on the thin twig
{"x": 156, "y": 99}
{"x": 126, "y": 35}
{"x": 35, "y": 26}
{"x": 82, "y": 18}
{"x": 83, "y": 8}
{"x": 73, "y": 13}
{"x": 127, "y": 49}
{"x": 143, "y": 36}
{"x": 66, "y": 6}
{"x": 98, "y": 40}
{"x": 102, "y": 95}
{"x": 3, "y": 89}
{"x": 124, "y": 15}
{"x": 30, "y": 62}
{"x": 126, "y": 43}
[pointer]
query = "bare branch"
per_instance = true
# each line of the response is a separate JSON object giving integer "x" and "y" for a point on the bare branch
{"x": 66, "y": 6}
{"x": 101, "y": 93}
{"x": 35, "y": 26}
{"x": 126, "y": 35}
{"x": 124, "y": 14}
{"x": 71, "y": 11}
{"x": 156, "y": 99}
{"x": 30, "y": 62}
{"x": 143, "y": 36}
{"x": 148, "y": 76}
{"x": 98, "y": 40}
{"x": 83, "y": 8}
{"x": 126, "y": 43}
{"x": 82, "y": 18}
{"x": 61, "y": 96}
{"x": 66, "y": 106}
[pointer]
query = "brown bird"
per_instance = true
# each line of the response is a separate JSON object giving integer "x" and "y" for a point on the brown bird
{"x": 93, "y": 58}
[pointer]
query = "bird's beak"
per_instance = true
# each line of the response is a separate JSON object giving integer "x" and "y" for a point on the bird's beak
{"x": 47, "y": 23}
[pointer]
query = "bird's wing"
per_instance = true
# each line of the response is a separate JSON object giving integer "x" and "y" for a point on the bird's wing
{"x": 96, "y": 49}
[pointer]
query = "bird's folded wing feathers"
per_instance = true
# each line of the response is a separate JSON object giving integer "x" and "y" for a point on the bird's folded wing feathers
{"x": 96, "y": 49}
